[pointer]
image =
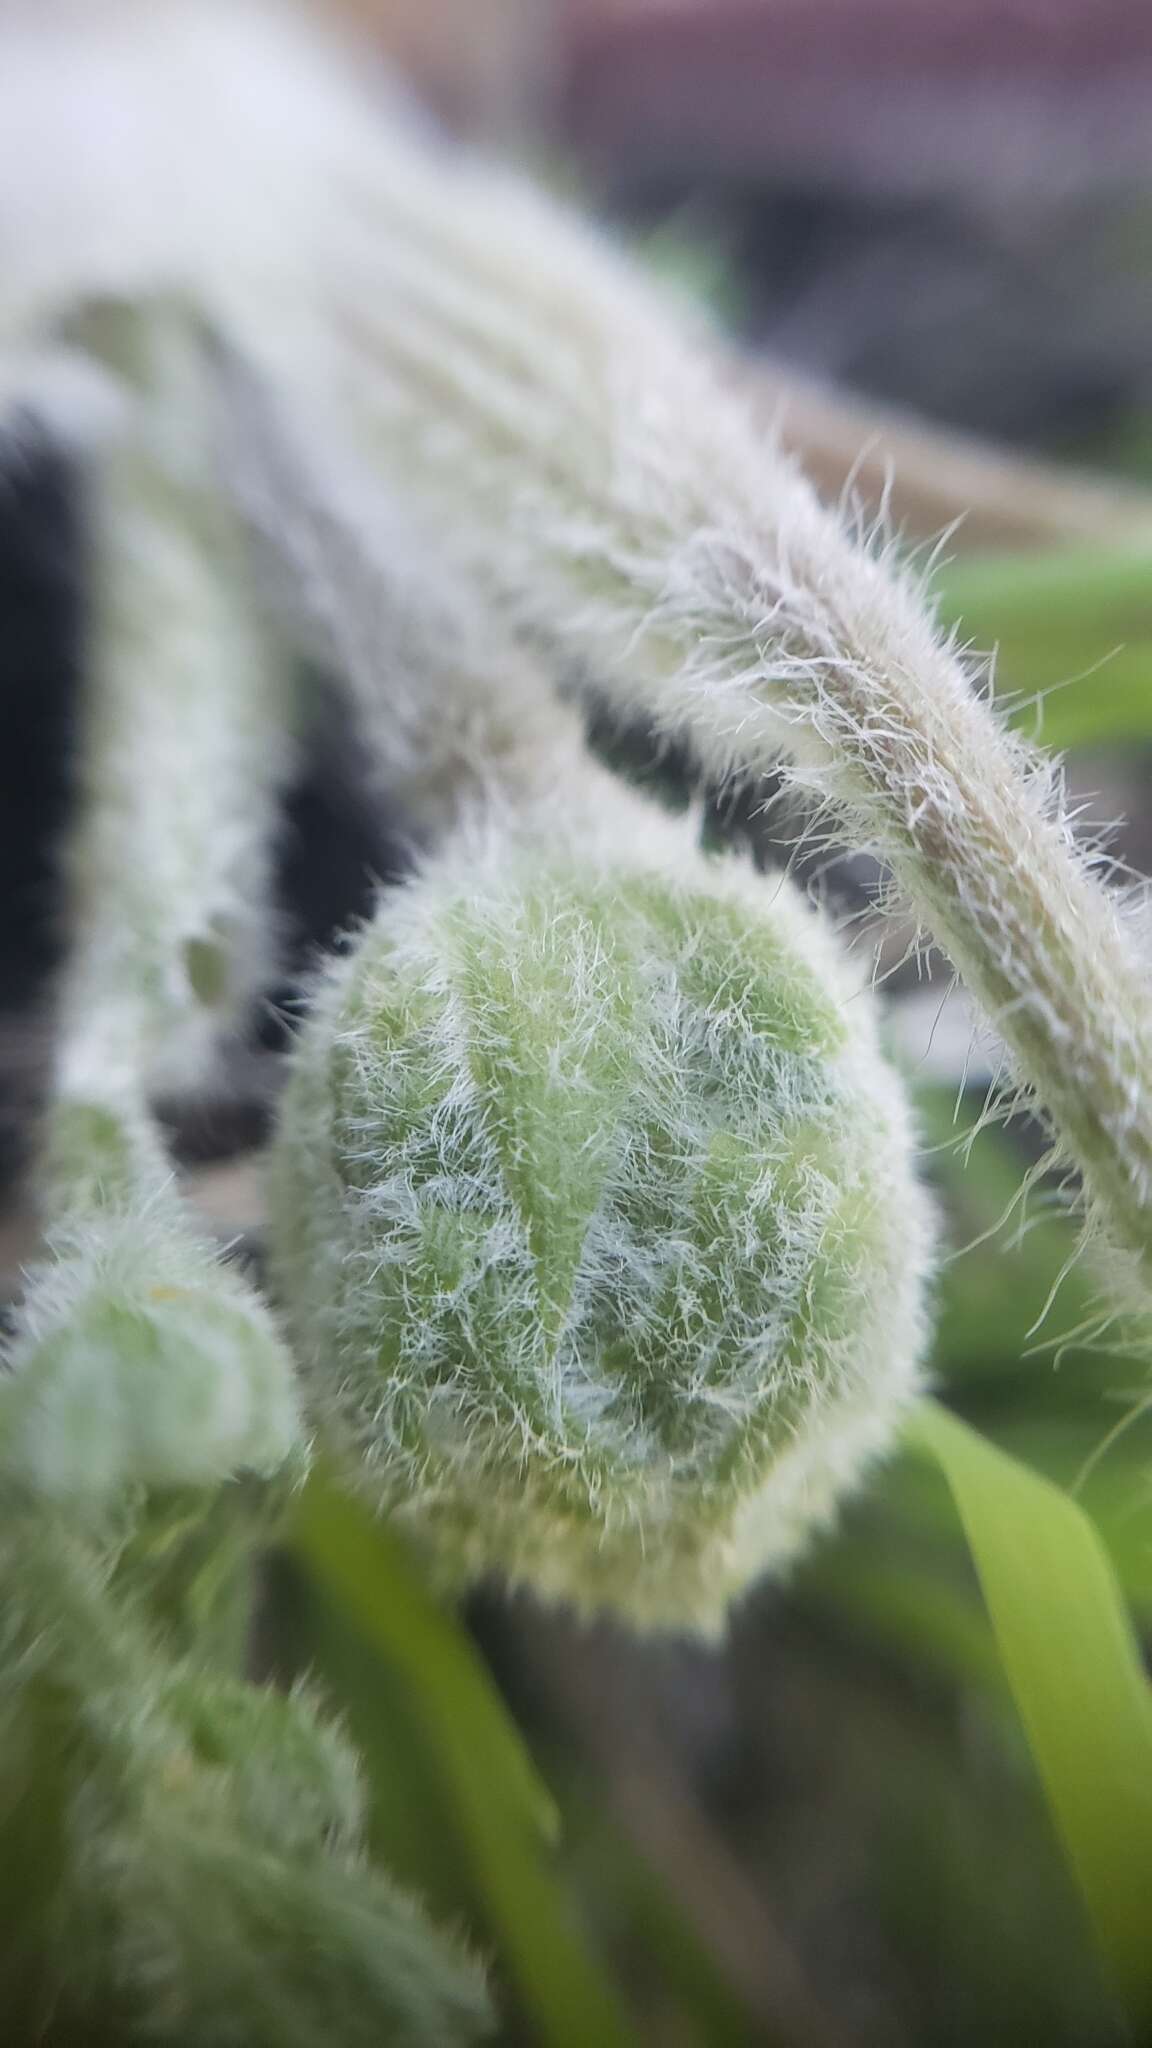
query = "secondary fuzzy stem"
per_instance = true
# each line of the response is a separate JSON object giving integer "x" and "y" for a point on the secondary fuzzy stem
{"x": 137, "y": 1356}
{"x": 182, "y": 750}
{"x": 185, "y": 748}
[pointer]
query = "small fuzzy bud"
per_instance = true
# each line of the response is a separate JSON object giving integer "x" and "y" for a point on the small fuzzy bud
{"x": 140, "y": 1359}
{"x": 594, "y": 1222}
{"x": 219, "y": 1940}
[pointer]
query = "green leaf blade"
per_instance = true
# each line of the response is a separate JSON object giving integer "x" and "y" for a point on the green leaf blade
{"x": 502, "y": 1814}
{"x": 1074, "y": 1667}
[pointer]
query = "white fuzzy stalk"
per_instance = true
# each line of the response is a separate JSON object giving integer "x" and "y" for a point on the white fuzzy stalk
{"x": 186, "y": 747}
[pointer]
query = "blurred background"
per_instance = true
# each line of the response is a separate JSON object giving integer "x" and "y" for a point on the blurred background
{"x": 927, "y": 231}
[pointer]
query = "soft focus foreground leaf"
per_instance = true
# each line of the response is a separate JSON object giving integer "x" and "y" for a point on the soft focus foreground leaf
{"x": 498, "y": 1810}
{"x": 1075, "y": 1672}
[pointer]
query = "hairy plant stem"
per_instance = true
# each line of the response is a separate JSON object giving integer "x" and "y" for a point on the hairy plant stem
{"x": 584, "y": 465}
{"x": 186, "y": 745}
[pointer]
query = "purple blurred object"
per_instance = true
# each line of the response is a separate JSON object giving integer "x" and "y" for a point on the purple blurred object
{"x": 926, "y": 98}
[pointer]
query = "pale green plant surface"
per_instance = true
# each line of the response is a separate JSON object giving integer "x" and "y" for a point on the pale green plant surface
{"x": 588, "y": 470}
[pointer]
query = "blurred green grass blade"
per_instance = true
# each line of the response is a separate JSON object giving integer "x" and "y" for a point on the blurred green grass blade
{"x": 410, "y": 1825}
{"x": 368, "y": 1571}
{"x": 1077, "y": 692}
{"x": 501, "y": 1812}
{"x": 1102, "y": 592}
{"x": 1074, "y": 1668}
{"x": 1074, "y": 625}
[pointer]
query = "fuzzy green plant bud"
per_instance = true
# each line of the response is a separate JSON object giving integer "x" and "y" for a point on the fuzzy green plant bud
{"x": 594, "y": 1222}
{"x": 223, "y": 1940}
